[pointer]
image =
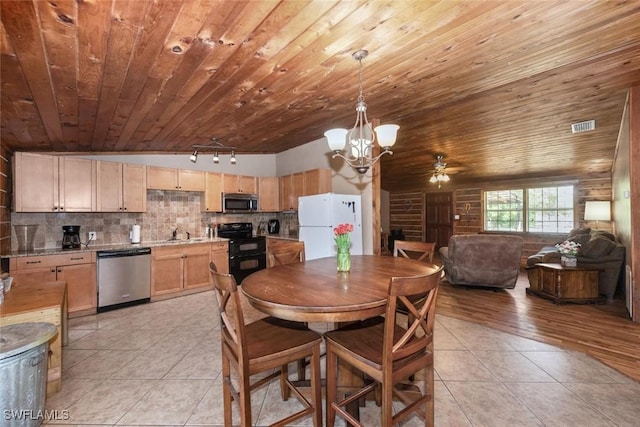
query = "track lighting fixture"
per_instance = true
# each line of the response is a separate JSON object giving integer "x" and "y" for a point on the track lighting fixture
{"x": 216, "y": 147}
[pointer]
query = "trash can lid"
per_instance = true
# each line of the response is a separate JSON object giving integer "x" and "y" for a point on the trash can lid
{"x": 21, "y": 337}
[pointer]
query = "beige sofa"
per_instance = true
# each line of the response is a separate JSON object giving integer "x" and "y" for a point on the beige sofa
{"x": 485, "y": 260}
{"x": 599, "y": 249}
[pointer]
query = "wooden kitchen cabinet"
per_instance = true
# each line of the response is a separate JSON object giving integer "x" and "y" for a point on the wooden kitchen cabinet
{"x": 179, "y": 267}
{"x": 45, "y": 183}
{"x": 239, "y": 184}
{"x": 220, "y": 256}
{"x": 211, "y": 199}
{"x": 159, "y": 178}
{"x": 291, "y": 187}
{"x": 121, "y": 187}
{"x": 77, "y": 269}
{"x": 269, "y": 194}
{"x": 317, "y": 181}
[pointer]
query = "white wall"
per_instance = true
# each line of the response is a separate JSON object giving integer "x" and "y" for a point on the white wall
{"x": 248, "y": 164}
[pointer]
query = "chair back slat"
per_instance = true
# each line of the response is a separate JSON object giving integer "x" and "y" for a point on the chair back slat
{"x": 226, "y": 291}
{"x": 287, "y": 253}
{"x": 419, "y": 333}
{"x": 424, "y": 250}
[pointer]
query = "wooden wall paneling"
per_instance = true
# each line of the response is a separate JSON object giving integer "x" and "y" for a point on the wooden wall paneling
{"x": 5, "y": 200}
{"x": 406, "y": 212}
{"x": 634, "y": 165}
{"x": 403, "y": 213}
{"x": 471, "y": 220}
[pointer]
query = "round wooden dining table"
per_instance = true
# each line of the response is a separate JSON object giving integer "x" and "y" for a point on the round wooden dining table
{"x": 314, "y": 291}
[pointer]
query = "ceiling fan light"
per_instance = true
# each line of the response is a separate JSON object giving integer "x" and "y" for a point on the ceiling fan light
{"x": 445, "y": 177}
{"x": 386, "y": 135}
{"x": 336, "y": 138}
{"x": 433, "y": 179}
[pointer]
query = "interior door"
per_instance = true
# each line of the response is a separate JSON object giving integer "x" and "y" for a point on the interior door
{"x": 439, "y": 218}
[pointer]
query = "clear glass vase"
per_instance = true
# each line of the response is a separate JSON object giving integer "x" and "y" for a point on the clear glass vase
{"x": 344, "y": 259}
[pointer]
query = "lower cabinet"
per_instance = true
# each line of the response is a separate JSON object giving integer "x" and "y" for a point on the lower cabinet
{"x": 220, "y": 256}
{"x": 77, "y": 269}
{"x": 176, "y": 268}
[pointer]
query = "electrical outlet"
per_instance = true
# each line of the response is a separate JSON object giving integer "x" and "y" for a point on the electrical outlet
{"x": 93, "y": 235}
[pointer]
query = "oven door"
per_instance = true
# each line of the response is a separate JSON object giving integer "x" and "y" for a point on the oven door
{"x": 246, "y": 247}
{"x": 242, "y": 266}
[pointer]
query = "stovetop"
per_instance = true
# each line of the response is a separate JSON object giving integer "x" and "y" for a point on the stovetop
{"x": 236, "y": 230}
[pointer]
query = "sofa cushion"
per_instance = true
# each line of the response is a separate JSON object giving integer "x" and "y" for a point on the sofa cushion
{"x": 597, "y": 247}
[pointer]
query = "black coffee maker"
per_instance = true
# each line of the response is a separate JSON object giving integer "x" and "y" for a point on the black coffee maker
{"x": 71, "y": 237}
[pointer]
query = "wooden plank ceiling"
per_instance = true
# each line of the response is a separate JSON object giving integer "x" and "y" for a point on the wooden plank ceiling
{"x": 493, "y": 86}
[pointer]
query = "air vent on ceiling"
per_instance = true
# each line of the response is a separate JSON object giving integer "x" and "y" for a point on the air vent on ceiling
{"x": 583, "y": 126}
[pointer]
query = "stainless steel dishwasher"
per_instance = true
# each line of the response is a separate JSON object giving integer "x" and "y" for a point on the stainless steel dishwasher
{"x": 124, "y": 277}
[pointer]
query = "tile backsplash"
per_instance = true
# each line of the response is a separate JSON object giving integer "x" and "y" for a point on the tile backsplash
{"x": 166, "y": 211}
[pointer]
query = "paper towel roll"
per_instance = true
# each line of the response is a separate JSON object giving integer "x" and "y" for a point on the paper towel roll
{"x": 135, "y": 234}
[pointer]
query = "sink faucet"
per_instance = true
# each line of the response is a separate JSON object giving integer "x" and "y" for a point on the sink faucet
{"x": 188, "y": 235}
{"x": 174, "y": 234}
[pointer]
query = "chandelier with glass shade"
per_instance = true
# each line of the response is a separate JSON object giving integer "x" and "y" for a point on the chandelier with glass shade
{"x": 439, "y": 175}
{"x": 360, "y": 139}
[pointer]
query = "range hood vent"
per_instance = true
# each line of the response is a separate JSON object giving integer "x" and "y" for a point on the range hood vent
{"x": 587, "y": 126}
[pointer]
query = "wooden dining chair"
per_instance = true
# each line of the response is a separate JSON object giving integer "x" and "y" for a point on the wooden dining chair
{"x": 422, "y": 250}
{"x": 261, "y": 346}
{"x": 388, "y": 353}
{"x": 285, "y": 253}
{"x": 282, "y": 254}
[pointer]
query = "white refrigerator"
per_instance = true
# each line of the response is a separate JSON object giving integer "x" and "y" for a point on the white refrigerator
{"x": 319, "y": 214}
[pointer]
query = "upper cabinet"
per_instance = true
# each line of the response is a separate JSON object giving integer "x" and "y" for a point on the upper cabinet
{"x": 239, "y": 184}
{"x": 121, "y": 187}
{"x": 317, "y": 181}
{"x": 45, "y": 183}
{"x": 211, "y": 199}
{"x": 291, "y": 187}
{"x": 269, "y": 194}
{"x": 159, "y": 178}
{"x": 314, "y": 181}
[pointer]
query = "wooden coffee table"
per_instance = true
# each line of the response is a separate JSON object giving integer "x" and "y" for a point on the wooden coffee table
{"x": 565, "y": 284}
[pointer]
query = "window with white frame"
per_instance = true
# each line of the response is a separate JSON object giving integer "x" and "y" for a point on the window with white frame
{"x": 535, "y": 210}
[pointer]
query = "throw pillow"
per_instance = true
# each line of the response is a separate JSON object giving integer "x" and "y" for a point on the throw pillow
{"x": 577, "y": 231}
{"x": 597, "y": 247}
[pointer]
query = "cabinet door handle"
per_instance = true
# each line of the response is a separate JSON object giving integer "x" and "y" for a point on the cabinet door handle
{"x": 53, "y": 270}
{"x": 54, "y": 208}
{"x": 76, "y": 259}
{"x": 59, "y": 270}
{"x": 33, "y": 262}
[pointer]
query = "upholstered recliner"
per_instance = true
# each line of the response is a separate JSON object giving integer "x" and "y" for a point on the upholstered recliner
{"x": 486, "y": 260}
{"x": 599, "y": 249}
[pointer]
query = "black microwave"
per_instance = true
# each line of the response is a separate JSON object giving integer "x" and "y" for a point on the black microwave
{"x": 239, "y": 202}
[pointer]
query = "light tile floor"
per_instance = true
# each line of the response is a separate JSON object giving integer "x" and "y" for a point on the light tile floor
{"x": 159, "y": 364}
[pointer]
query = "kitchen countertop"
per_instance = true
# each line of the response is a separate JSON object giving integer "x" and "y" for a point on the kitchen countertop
{"x": 94, "y": 248}
{"x": 293, "y": 237}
